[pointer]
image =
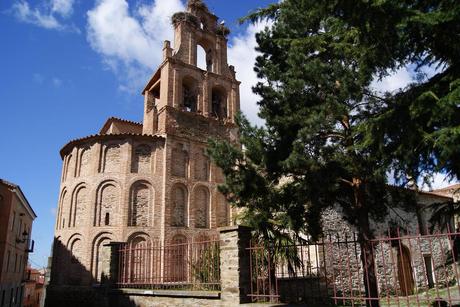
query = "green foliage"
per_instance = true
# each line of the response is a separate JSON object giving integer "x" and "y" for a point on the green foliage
{"x": 206, "y": 267}
{"x": 331, "y": 138}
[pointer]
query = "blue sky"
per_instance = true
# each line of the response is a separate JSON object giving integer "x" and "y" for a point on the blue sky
{"x": 62, "y": 75}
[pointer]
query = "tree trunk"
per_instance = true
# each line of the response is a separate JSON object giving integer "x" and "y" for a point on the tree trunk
{"x": 368, "y": 260}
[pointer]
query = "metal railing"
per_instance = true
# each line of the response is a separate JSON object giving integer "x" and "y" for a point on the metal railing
{"x": 181, "y": 266}
{"x": 411, "y": 269}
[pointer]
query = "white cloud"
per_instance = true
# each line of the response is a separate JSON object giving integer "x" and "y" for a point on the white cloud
{"x": 394, "y": 81}
{"x": 62, "y": 7}
{"x": 130, "y": 41}
{"x": 48, "y": 15}
{"x": 438, "y": 181}
{"x": 242, "y": 55}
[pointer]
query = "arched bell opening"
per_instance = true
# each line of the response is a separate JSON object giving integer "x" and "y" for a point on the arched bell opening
{"x": 219, "y": 102}
{"x": 189, "y": 94}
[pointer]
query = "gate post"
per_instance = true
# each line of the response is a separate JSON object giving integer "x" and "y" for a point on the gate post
{"x": 235, "y": 272}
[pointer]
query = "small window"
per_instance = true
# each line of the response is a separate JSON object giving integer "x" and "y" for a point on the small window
{"x": 219, "y": 103}
{"x": 201, "y": 58}
{"x": 429, "y": 270}
{"x": 107, "y": 219}
{"x": 189, "y": 95}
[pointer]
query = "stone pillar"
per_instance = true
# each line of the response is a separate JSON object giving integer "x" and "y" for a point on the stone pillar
{"x": 114, "y": 262}
{"x": 235, "y": 271}
{"x": 167, "y": 50}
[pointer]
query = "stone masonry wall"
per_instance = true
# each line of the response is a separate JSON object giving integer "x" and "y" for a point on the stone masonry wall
{"x": 343, "y": 263}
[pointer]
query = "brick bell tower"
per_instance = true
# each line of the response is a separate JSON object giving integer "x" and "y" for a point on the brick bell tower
{"x": 179, "y": 84}
{"x": 188, "y": 105}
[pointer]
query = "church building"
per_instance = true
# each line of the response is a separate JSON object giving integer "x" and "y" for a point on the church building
{"x": 152, "y": 181}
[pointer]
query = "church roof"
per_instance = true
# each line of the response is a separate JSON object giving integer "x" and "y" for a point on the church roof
{"x": 67, "y": 147}
{"x": 112, "y": 120}
{"x": 114, "y": 128}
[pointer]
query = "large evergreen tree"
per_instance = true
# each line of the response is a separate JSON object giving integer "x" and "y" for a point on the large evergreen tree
{"x": 331, "y": 138}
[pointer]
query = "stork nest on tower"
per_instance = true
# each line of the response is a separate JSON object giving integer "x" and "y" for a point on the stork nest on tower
{"x": 222, "y": 30}
{"x": 184, "y": 16}
{"x": 197, "y": 4}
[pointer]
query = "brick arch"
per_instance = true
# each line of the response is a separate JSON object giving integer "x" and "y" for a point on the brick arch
{"x": 141, "y": 158}
{"x": 84, "y": 161}
{"x": 219, "y": 101}
{"x": 111, "y": 158}
{"x": 141, "y": 204}
{"x": 189, "y": 93}
{"x": 139, "y": 267}
{"x": 138, "y": 237}
{"x": 79, "y": 203}
{"x": 202, "y": 165}
{"x": 180, "y": 161}
{"x": 201, "y": 206}
{"x": 76, "y": 268}
{"x": 178, "y": 205}
{"x": 100, "y": 256}
{"x": 208, "y": 50}
{"x": 60, "y": 261}
{"x": 222, "y": 210}
{"x": 63, "y": 208}
{"x": 73, "y": 237}
{"x": 176, "y": 260}
{"x": 68, "y": 167}
{"x": 107, "y": 203}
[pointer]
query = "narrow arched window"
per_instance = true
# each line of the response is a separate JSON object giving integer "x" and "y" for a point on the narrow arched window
{"x": 107, "y": 219}
{"x": 189, "y": 94}
{"x": 178, "y": 207}
{"x": 201, "y": 208}
{"x": 140, "y": 205}
{"x": 179, "y": 159}
{"x": 219, "y": 103}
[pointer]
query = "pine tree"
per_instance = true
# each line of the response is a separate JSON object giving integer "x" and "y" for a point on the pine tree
{"x": 331, "y": 138}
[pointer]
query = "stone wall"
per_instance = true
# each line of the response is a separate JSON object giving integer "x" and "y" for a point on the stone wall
{"x": 343, "y": 263}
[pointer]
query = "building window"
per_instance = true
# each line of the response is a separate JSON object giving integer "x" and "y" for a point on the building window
{"x": 189, "y": 94}
{"x": 179, "y": 161}
{"x": 107, "y": 201}
{"x": 202, "y": 166}
{"x": 112, "y": 158}
{"x": 201, "y": 208}
{"x": 140, "y": 205}
{"x": 219, "y": 103}
{"x": 141, "y": 159}
{"x": 179, "y": 206}
{"x": 107, "y": 219}
{"x": 429, "y": 270}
